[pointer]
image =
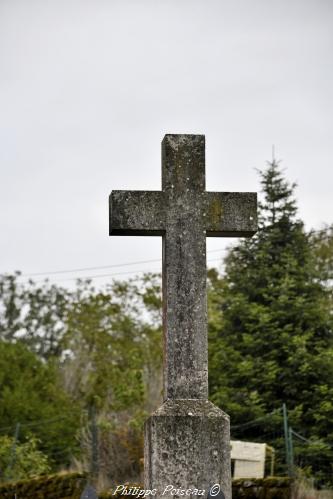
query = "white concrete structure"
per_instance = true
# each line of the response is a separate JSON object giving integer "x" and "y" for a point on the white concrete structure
{"x": 248, "y": 459}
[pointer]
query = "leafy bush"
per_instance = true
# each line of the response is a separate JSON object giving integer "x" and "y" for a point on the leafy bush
{"x": 21, "y": 460}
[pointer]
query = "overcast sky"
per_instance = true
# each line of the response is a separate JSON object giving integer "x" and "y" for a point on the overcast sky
{"x": 89, "y": 88}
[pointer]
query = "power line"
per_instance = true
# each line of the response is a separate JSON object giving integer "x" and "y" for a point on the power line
{"x": 96, "y": 276}
{"x": 101, "y": 267}
{"x": 114, "y": 274}
{"x": 85, "y": 269}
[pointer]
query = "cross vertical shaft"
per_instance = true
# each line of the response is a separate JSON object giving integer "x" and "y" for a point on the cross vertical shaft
{"x": 184, "y": 268}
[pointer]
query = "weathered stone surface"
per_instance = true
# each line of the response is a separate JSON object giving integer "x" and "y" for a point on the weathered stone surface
{"x": 139, "y": 213}
{"x": 185, "y": 445}
{"x": 187, "y": 442}
{"x": 184, "y": 214}
{"x": 231, "y": 214}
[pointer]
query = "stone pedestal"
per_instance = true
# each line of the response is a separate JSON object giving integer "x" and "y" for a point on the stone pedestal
{"x": 187, "y": 447}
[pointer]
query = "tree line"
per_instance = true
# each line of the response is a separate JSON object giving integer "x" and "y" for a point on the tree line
{"x": 68, "y": 354}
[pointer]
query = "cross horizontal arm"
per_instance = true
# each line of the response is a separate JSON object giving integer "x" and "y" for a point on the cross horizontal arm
{"x": 231, "y": 214}
{"x": 136, "y": 213}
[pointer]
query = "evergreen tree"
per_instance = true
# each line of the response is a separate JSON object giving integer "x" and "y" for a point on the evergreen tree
{"x": 271, "y": 332}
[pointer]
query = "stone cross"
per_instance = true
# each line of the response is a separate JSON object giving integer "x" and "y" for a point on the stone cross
{"x": 183, "y": 213}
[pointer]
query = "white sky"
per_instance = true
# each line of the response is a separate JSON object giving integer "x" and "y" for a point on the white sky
{"x": 89, "y": 88}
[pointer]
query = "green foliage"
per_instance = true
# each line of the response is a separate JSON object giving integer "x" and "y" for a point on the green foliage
{"x": 271, "y": 326}
{"x": 112, "y": 362}
{"x": 270, "y": 341}
{"x": 110, "y": 347}
{"x": 30, "y": 394}
{"x": 21, "y": 460}
{"x": 63, "y": 352}
{"x": 34, "y": 314}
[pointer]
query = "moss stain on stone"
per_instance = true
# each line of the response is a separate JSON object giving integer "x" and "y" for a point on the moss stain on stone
{"x": 215, "y": 213}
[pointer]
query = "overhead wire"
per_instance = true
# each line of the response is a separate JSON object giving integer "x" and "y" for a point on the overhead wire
{"x": 101, "y": 267}
{"x": 114, "y": 274}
